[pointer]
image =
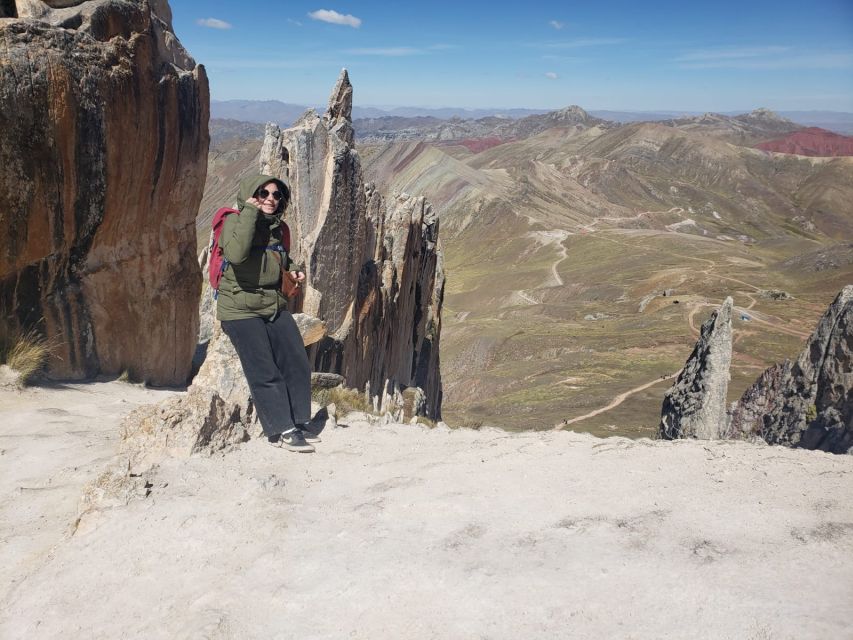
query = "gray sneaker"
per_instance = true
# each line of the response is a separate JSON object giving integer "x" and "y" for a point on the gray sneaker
{"x": 293, "y": 440}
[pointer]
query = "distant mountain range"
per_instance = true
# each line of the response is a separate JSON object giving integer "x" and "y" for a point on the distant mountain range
{"x": 285, "y": 114}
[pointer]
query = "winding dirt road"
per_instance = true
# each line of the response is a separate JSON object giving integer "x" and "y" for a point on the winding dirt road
{"x": 616, "y": 401}
{"x": 752, "y": 316}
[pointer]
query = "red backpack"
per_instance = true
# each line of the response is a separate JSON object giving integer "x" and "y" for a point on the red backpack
{"x": 217, "y": 263}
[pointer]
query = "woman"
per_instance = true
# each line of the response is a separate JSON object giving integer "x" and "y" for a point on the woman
{"x": 254, "y": 316}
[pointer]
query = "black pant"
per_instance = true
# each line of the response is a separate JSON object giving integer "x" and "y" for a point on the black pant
{"x": 276, "y": 367}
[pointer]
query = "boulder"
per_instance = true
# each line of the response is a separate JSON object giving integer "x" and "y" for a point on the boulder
{"x": 807, "y": 402}
{"x": 103, "y": 152}
{"x": 321, "y": 380}
{"x": 215, "y": 413}
{"x": 695, "y": 406}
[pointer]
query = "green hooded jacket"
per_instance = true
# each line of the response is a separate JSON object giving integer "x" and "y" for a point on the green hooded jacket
{"x": 250, "y": 283}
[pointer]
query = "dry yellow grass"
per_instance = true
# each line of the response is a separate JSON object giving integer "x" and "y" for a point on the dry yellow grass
{"x": 26, "y": 353}
{"x": 345, "y": 400}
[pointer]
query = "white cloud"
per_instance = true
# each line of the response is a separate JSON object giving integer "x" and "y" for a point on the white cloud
{"x": 213, "y": 23}
{"x": 296, "y": 22}
{"x": 384, "y": 51}
{"x": 327, "y": 15}
{"x": 557, "y": 24}
{"x": 551, "y": 75}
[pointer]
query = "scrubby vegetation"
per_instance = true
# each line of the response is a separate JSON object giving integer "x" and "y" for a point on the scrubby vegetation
{"x": 345, "y": 400}
{"x": 24, "y": 352}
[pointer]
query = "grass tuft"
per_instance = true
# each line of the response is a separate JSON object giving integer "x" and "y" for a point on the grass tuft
{"x": 345, "y": 400}
{"x": 26, "y": 353}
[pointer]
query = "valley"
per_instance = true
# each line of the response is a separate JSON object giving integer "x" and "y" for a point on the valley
{"x": 582, "y": 256}
{"x": 582, "y": 260}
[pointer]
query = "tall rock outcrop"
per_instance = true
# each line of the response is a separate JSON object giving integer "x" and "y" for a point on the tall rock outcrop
{"x": 374, "y": 266}
{"x": 808, "y": 402}
{"x": 695, "y": 406}
{"x": 103, "y": 151}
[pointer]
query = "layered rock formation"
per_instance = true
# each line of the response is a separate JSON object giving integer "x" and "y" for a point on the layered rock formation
{"x": 374, "y": 266}
{"x": 103, "y": 150}
{"x": 695, "y": 406}
{"x": 808, "y": 402}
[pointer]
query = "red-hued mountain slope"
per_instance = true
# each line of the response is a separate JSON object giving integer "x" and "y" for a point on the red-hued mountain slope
{"x": 813, "y": 141}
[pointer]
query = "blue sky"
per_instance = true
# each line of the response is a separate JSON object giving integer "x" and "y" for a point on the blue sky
{"x": 721, "y": 56}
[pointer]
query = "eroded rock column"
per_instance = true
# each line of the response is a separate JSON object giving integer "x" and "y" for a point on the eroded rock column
{"x": 374, "y": 265}
{"x": 695, "y": 406}
{"x": 103, "y": 151}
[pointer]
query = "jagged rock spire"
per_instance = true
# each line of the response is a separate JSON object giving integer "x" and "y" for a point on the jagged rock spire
{"x": 340, "y": 102}
{"x": 808, "y": 402}
{"x": 695, "y": 406}
{"x": 374, "y": 269}
{"x": 338, "y": 116}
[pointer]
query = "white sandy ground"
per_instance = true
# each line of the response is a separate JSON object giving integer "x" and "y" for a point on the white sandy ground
{"x": 398, "y": 531}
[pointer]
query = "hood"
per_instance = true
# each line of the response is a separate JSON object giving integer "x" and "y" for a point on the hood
{"x": 249, "y": 185}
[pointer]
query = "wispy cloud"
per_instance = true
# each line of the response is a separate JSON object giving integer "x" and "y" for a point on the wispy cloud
{"x": 764, "y": 58}
{"x": 442, "y": 47}
{"x": 557, "y": 24}
{"x": 579, "y": 43}
{"x": 551, "y": 75}
{"x": 333, "y": 17}
{"x": 732, "y": 53}
{"x": 385, "y": 51}
{"x": 296, "y": 22}
{"x": 551, "y": 56}
{"x": 213, "y": 23}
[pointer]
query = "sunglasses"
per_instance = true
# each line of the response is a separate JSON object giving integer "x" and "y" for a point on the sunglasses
{"x": 263, "y": 194}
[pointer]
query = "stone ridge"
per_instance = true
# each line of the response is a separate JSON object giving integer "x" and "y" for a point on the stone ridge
{"x": 374, "y": 266}
{"x": 808, "y": 402}
{"x": 695, "y": 406}
{"x": 103, "y": 150}
{"x": 456, "y": 129}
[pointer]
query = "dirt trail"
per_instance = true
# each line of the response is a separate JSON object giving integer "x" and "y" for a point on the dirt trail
{"x": 590, "y": 228}
{"x": 753, "y": 318}
{"x": 617, "y": 400}
{"x": 564, "y": 254}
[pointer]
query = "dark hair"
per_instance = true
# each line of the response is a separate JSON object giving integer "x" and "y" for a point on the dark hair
{"x": 285, "y": 199}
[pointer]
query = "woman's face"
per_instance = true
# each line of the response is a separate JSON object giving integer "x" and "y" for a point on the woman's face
{"x": 269, "y": 204}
